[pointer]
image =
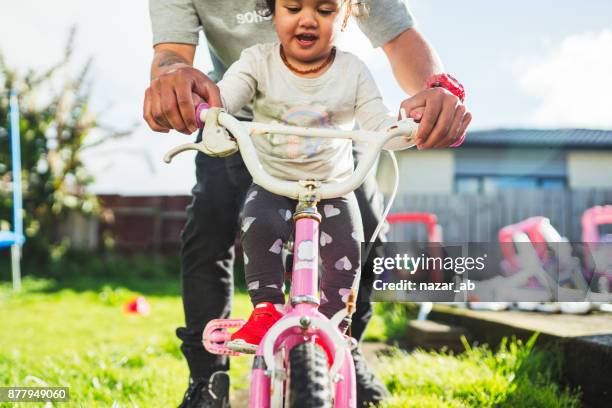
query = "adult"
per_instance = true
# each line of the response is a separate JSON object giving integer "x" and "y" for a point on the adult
{"x": 208, "y": 237}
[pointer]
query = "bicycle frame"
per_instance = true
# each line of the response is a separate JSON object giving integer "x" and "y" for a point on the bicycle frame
{"x": 301, "y": 322}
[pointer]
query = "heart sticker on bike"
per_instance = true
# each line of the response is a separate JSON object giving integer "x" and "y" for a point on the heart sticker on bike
{"x": 343, "y": 263}
{"x": 276, "y": 247}
{"x": 305, "y": 251}
{"x": 325, "y": 239}
{"x": 305, "y": 255}
{"x": 330, "y": 210}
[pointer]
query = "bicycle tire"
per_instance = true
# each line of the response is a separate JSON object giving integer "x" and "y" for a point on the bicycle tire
{"x": 309, "y": 382}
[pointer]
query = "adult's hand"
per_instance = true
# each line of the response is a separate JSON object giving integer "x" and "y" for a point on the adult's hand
{"x": 442, "y": 116}
{"x": 171, "y": 99}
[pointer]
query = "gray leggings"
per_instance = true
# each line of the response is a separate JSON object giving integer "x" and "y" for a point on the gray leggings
{"x": 267, "y": 224}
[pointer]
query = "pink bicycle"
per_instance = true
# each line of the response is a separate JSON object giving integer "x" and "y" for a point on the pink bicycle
{"x": 291, "y": 367}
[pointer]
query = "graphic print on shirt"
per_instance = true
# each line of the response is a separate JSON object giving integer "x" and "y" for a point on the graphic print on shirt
{"x": 253, "y": 17}
{"x": 292, "y": 146}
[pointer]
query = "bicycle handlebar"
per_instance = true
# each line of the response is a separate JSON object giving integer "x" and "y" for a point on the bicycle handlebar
{"x": 242, "y": 131}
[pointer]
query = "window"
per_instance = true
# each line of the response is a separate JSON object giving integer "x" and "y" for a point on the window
{"x": 467, "y": 185}
{"x": 553, "y": 183}
{"x": 491, "y": 184}
{"x": 488, "y": 170}
{"x": 495, "y": 183}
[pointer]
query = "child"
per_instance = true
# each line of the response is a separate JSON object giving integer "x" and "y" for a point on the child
{"x": 301, "y": 81}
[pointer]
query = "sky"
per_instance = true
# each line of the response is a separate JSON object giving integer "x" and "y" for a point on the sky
{"x": 542, "y": 64}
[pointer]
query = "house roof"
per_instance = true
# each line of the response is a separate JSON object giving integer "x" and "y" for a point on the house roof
{"x": 562, "y": 138}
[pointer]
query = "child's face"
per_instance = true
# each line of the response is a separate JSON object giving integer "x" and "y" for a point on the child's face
{"x": 306, "y": 28}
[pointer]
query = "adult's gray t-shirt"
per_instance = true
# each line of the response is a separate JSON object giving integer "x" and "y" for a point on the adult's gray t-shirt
{"x": 230, "y": 26}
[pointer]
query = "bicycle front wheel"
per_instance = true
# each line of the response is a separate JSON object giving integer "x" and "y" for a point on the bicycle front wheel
{"x": 309, "y": 382}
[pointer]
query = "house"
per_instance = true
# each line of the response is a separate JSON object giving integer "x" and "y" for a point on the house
{"x": 494, "y": 160}
{"x": 499, "y": 177}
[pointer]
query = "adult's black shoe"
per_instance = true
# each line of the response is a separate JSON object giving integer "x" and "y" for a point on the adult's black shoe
{"x": 207, "y": 393}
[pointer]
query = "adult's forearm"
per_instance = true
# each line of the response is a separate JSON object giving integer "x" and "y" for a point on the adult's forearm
{"x": 413, "y": 60}
{"x": 171, "y": 56}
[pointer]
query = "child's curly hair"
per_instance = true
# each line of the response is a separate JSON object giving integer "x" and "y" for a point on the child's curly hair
{"x": 266, "y": 9}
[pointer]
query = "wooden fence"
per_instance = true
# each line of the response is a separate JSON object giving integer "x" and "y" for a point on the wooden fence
{"x": 154, "y": 223}
{"x": 144, "y": 224}
{"x": 478, "y": 218}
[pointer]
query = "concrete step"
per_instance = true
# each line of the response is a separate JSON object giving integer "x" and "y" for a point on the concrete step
{"x": 430, "y": 335}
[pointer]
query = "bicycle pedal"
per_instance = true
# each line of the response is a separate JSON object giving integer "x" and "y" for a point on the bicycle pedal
{"x": 216, "y": 336}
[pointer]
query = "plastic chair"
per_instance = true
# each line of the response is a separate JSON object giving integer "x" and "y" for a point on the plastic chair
{"x": 15, "y": 238}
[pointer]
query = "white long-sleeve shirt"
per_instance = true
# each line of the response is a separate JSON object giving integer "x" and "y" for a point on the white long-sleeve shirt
{"x": 343, "y": 94}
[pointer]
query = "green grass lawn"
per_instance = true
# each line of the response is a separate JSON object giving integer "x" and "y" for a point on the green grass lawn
{"x": 514, "y": 376}
{"x": 83, "y": 339}
{"x": 77, "y": 335}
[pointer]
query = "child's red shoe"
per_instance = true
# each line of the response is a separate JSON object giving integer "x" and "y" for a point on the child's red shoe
{"x": 248, "y": 337}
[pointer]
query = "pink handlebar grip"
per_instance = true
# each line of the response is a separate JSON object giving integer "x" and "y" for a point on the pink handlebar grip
{"x": 199, "y": 110}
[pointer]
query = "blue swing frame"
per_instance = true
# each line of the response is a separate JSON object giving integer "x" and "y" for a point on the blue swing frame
{"x": 15, "y": 238}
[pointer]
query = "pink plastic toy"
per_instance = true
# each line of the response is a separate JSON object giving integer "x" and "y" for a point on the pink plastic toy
{"x": 434, "y": 235}
{"x": 138, "y": 305}
{"x": 597, "y": 247}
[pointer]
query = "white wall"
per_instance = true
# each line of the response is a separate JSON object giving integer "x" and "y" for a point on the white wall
{"x": 589, "y": 169}
{"x": 430, "y": 171}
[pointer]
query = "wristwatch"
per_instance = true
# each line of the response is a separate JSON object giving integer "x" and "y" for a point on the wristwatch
{"x": 448, "y": 82}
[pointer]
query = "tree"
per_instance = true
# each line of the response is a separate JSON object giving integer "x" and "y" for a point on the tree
{"x": 55, "y": 121}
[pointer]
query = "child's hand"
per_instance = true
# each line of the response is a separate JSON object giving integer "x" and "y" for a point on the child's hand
{"x": 442, "y": 116}
{"x": 416, "y": 114}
